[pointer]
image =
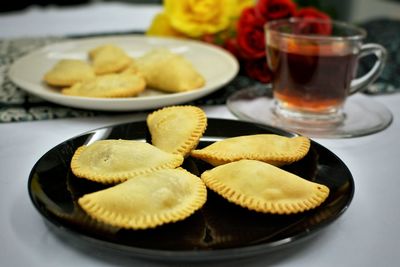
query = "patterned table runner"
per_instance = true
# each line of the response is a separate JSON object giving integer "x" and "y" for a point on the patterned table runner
{"x": 16, "y": 105}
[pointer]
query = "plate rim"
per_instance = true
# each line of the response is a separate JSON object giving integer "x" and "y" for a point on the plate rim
{"x": 191, "y": 255}
{"x": 123, "y": 104}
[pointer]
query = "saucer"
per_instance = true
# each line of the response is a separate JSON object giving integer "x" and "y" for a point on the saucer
{"x": 362, "y": 115}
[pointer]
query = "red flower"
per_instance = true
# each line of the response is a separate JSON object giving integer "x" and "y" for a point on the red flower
{"x": 250, "y": 34}
{"x": 258, "y": 69}
{"x": 275, "y": 9}
{"x": 249, "y": 44}
{"x": 232, "y": 46}
{"x": 208, "y": 38}
{"x": 313, "y": 13}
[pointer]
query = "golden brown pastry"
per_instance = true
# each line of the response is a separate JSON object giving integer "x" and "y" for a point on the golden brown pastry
{"x": 147, "y": 200}
{"x": 271, "y": 148}
{"x": 67, "y": 72}
{"x": 262, "y": 187}
{"x": 177, "y": 129}
{"x": 109, "y": 58}
{"x": 108, "y": 86}
{"x": 167, "y": 71}
{"x": 113, "y": 161}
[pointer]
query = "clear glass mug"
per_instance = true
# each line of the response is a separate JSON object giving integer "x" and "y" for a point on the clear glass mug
{"x": 314, "y": 64}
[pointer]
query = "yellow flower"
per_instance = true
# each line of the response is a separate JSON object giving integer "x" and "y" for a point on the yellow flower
{"x": 161, "y": 26}
{"x": 198, "y": 17}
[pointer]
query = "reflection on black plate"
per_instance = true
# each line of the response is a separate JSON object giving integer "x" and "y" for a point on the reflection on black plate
{"x": 220, "y": 230}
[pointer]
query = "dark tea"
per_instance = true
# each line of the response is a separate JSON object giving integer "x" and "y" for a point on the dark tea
{"x": 311, "y": 79}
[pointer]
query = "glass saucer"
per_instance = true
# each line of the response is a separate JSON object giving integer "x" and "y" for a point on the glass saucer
{"x": 362, "y": 115}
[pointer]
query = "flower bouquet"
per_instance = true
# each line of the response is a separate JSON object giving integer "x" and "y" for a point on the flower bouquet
{"x": 236, "y": 25}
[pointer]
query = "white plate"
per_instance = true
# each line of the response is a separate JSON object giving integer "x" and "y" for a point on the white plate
{"x": 216, "y": 65}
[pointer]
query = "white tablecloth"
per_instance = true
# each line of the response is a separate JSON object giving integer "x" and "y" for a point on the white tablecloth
{"x": 367, "y": 234}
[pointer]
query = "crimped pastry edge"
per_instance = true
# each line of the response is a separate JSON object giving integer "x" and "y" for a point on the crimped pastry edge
{"x": 148, "y": 221}
{"x": 187, "y": 146}
{"x": 250, "y": 203}
{"x": 218, "y": 158}
{"x": 107, "y": 179}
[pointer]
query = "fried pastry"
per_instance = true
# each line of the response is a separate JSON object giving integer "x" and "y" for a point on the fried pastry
{"x": 177, "y": 129}
{"x": 271, "y": 148}
{"x": 262, "y": 187}
{"x": 132, "y": 69}
{"x": 109, "y": 58}
{"x": 148, "y": 200}
{"x": 110, "y": 85}
{"x": 67, "y": 72}
{"x": 169, "y": 72}
{"x": 113, "y": 161}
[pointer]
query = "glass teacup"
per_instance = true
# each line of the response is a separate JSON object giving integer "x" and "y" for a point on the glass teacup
{"x": 314, "y": 64}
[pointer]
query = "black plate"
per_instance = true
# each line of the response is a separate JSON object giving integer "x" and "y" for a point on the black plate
{"x": 220, "y": 230}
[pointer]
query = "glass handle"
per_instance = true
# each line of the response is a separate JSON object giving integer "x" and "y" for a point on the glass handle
{"x": 367, "y": 79}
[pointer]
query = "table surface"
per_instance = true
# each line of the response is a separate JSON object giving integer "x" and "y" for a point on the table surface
{"x": 367, "y": 234}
